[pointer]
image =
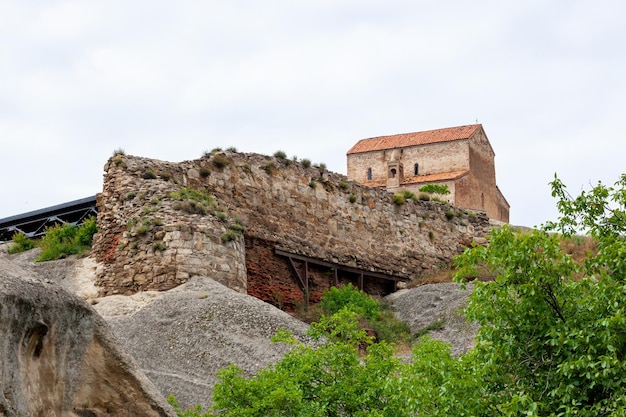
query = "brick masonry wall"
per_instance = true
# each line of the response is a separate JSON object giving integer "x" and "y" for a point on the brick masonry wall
{"x": 306, "y": 211}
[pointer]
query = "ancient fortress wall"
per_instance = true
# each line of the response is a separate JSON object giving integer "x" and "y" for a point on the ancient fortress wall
{"x": 151, "y": 238}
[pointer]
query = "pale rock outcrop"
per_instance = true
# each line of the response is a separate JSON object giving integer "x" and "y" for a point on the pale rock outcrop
{"x": 58, "y": 358}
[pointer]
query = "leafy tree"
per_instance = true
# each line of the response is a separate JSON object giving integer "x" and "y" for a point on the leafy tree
{"x": 552, "y": 339}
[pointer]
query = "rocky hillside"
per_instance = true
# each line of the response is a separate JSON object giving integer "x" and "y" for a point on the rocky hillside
{"x": 182, "y": 337}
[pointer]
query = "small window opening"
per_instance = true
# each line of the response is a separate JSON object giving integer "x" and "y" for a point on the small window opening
{"x": 416, "y": 169}
{"x": 393, "y": 172}
{"x": 369, "y": 174}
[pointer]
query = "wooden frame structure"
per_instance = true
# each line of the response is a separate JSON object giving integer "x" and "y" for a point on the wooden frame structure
{"x": 362, "y": 273}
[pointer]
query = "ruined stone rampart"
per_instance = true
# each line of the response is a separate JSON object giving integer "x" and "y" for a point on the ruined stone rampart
{"x": 152, "y": 239}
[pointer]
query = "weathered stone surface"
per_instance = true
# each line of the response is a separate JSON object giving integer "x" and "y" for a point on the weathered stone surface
{"x": 282, "y": 204}
{"x": 441, "y": 303}
{"x": 183, "y": 337}
{"x": 59, "y": 358}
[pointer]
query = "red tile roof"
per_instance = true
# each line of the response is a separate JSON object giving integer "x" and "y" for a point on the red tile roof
{"x": 412, "y": 139}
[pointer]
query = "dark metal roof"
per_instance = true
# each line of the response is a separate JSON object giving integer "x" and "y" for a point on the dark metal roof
{"x": 34, "y": 223}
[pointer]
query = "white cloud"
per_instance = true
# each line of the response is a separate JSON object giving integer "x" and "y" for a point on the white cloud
{"x": 171, "y": 79}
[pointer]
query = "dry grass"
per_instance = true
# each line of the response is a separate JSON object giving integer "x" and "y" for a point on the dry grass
{"x": 579, "y": 247}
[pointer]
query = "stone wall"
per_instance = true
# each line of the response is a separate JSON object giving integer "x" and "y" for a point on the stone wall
{"x": 282, "y": 204}
{"x": 145, "y": 243}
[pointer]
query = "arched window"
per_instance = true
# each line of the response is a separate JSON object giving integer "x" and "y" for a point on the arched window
{"x": 416, "y": 169}
{"x": 393, "y": 172}
{"x": 369, "y": 174}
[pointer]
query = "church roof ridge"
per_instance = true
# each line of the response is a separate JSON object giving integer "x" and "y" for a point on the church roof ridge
{"x": 416, "y": 138}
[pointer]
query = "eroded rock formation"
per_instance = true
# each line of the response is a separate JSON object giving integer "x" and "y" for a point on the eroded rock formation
{"x": 59, "y": 358}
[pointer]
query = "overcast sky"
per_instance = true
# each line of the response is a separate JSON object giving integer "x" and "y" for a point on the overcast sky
{"x": 171, "y": 79}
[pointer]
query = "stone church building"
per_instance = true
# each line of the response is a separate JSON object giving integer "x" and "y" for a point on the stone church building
{"x": 460, "y": 157}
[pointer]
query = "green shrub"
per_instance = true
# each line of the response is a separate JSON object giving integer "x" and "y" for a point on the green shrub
{"x": 231, "y": 149}
{"x": 191, "y": 207}
{"x": 280, "y": 154}
{"x": 229, "y": 235}
{"x": 158, "y": 246}
{"x": 423, "y": 197}
{"x": 220, "y": 161}
{"x": 270, "y": 168}
{"x": 436, "y": 325}
{"x": 131, "y": 195}
{"x": 20, "y": 243}
{"x": 343, "y": 185}
{"x": 119, "y": 151}
{"x": 401, "y": 196}
{"x": 336, "y": 298}
{"x": 166, "y": 176}
{"x": 190, "y": 194}
{"x": 149, "y": 174}
{"x": 221, "y": 215}
{"x": 191, "y": 412}
{"x": 237, "y": 227}
{"x": 306, "y": 163}
{"x": 399, "y": 199}
{"x": 441, "y": 189}
{"x": 449, "y": 214}
{"x": 205, "y": 172}
{"x": 63, "y": 240}
{"x": 313, "y": 184}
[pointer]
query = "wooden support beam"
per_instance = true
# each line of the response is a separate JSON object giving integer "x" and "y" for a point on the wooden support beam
{"x": 320, "y": 262}
{"x": 295, "y": 270}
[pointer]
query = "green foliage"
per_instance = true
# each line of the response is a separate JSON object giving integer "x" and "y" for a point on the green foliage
{"x": 401, "y": 196}
{"x": 441, "y": 189}
{"x": 231, "y": 149}
{"x": 149, "y": 174}
{"x": 20, "y": 243}
{"x": 435, "y": 325}
{"x": 449, "y": 214}
{"x": 313, "y": 184}
{"x": 193, "y": 201}
{"x": 306, "y": 163}
{"x": 280, "y": 155}
{"x": 284, "y": 336}
{"x": 423, "y": 197}
{"x": 229, "y": 235}
{"x": 192, "y": 412}
{"x": 551, "y": 340}
{"x": 158, "y": 246}
{"x": 270, "y": 168}
{"x": 205, "y": 172}
{"x": 337, "y": 379}
{"x": 237, "y": 227}
{"x": 63, "y": 240}
{"x": 352, "y": 198}
{"x": 343, "y": 185}
{"x": 220, "y": 161}
{"x": 350, "y": 297}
